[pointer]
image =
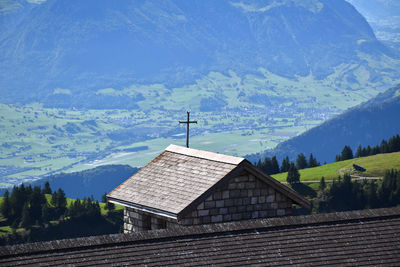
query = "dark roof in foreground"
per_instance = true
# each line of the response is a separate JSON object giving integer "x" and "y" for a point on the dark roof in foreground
{"x": 181, "y": 176}
{"x": 368, "y": 237}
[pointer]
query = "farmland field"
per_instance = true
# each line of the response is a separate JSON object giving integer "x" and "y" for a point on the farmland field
{"x": 236, "y": 116}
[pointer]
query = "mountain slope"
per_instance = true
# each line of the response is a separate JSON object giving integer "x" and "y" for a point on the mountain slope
{"x": 253, "y": 73}
{"x": 96, "y": 181}
{"x": 366, "y": 124}
{"x": 71, "y": 49}
{"x": 383, "y": 15}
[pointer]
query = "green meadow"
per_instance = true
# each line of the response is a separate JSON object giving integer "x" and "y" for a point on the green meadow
{"x": 375, "y": 166}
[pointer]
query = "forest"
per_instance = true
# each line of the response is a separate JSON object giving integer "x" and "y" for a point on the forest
{"x": 38, "y": 214}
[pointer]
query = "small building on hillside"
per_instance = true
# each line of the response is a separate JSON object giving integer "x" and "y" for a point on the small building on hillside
{"x": 184, "y": 186}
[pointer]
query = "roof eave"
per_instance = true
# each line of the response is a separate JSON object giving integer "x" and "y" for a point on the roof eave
{"x": 142, "y": 208}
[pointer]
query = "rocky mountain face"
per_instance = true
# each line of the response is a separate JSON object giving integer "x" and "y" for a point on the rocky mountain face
{"x": 367, "y": 124}
{"x": 384, "y": 17}
{"x": 74, "y": 48}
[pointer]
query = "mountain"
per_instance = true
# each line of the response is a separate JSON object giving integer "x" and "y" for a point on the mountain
{"x": 383, "y": 16}
{"x": 367, "y": 124}
{"x": 61, "y": 53}
{"x": 98, "y": 82}
{"x": 378, "y": 11}
{"x": 96, "y": 181}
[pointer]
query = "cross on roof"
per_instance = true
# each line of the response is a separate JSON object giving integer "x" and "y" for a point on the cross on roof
{"x": 187, "y": 127}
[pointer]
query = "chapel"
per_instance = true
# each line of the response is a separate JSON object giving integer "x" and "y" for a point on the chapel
{"x": 184, "y": 186}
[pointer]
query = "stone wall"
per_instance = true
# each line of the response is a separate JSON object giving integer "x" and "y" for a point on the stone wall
{"x": 243, "y": 198}
{"x": 135, "y": 221}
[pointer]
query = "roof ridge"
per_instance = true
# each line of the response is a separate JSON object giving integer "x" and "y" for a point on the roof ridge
{"x": 204, "y": 154}
{"x": 267, "y": 223}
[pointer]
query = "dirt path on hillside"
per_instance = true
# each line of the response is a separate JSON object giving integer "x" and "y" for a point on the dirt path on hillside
{"x": 353, "y": 178}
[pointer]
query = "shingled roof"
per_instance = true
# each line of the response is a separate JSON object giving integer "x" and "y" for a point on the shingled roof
{"x": 181, "y": 177}
{"x": 356, "y": 238}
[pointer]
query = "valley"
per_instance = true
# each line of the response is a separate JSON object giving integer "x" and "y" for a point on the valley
{"x": 236, "y": 116}
{"x": 75, "y": 97}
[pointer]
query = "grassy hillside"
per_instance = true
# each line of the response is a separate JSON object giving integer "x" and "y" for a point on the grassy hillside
{"x": 376, "y": 166}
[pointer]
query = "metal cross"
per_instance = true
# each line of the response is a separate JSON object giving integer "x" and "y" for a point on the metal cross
{"x": 187, "y": 128}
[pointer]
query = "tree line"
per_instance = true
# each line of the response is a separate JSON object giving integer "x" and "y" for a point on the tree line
{"x": 345, "y": 194}
{"x": 27, "y": 206}
{"x": 390, "y": 146}
{"x": 271, "y": 165}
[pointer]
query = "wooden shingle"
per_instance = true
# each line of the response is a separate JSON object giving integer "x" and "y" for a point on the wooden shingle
{"x": 172, "y": 180}
{"x": 175, "y": 181}
{"x": 356, "y": 238}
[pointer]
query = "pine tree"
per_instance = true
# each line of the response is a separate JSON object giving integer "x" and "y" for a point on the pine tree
{"x": 347, "y": 153}
{"x": 46, "y": 189}
{"x": 104, "y": 198}
{"x": 75, "y": 209}
{"x": 259, "y": 164}
{"x": 368, "y": 151}
{"x": 364, "y": 152}
{"x": 384, "y": 190}
{"x": 109, "y": 206}
{"x": 372, "y": 198}
{"x": 301, "y": 162}
{"x": 17, "y": 199}
{"x": 285, "y": 164}
{"x": 293, "y": 175}
{"x": 36, "y": 201}
{"x": 28, "y": 191}
{"x": 312, "y": 162}
{"x": 384, "y": 147}
{"x": 96, "y": 209}
{"x": 26, "y": 220}
{"x": 266, "y": 166}
{"x": 54, "y": 199}
{"x": 375, "y": 150}
{"x": 359, "y": 152}
{"x": 274, "y": 165}
{"x": 395, "y": 143}
{"x": 61, "y": 201}
{"x": 45, "y": 213}
{"x": 6, "y": 206}
{"x": 322, "y": 184}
